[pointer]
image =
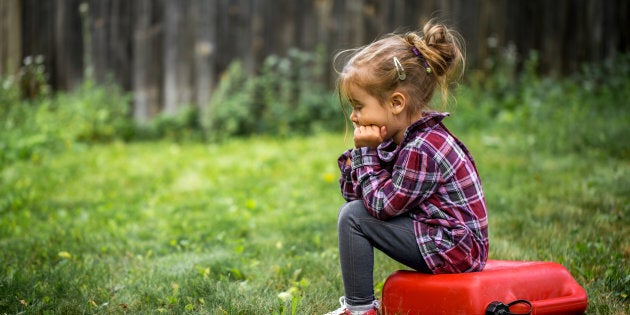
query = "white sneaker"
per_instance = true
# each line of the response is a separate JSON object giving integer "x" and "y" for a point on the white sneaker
{"x": 369, "y": 309}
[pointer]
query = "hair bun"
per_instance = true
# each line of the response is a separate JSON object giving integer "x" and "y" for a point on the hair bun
{"x": 434, "y": 34}
{"x": 441, "y": 47}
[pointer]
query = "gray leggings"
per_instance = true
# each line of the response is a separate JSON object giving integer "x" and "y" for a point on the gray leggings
{"x": 359, "y": 233}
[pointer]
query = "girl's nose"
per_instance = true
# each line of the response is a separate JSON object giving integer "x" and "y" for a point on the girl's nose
{"x": 353, "y": 117}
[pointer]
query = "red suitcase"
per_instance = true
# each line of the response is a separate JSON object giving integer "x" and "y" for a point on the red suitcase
{"x": 547, "y": 286}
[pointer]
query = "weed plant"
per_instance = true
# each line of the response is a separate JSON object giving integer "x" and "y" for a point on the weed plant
{"x": 589, "y": 111}
{"x": 248, "y": 226}
{"x": 32, "y": 128}
{"x": 287, "y": 97}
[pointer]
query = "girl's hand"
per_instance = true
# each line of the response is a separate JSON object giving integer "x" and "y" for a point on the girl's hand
{"x": 369, "y": 136}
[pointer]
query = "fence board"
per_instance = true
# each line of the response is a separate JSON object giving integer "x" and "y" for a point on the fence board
{"x": 171, "y": 53}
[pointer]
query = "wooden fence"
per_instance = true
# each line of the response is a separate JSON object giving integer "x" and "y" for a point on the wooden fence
{"x": 171, "y": 53}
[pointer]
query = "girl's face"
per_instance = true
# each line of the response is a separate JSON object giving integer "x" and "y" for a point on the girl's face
{"x": 366, "y": 109}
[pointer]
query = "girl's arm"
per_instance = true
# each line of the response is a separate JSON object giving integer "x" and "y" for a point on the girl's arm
{"x": 363, "y": 136}
{"x": 386, "y": 194}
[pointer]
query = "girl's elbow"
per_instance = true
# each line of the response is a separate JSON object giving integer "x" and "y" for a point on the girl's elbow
{"x": 349, "y": 195}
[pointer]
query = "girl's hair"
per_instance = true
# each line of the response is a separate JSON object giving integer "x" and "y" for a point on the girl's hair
{"x": 430, "y": 59}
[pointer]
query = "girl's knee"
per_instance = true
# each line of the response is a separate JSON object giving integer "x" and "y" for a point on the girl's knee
{"x": 351, "y": 210}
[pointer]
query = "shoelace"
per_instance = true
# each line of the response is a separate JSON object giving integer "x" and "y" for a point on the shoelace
{"x": 343, "y": 306}
{"x": 341, "y": 309}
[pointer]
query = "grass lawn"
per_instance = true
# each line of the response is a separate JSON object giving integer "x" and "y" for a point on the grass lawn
{"x": 248, "y": 226}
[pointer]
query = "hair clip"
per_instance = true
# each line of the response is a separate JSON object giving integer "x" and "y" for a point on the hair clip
{"x": 424, "y": 61}
{"x": 426, "y": 66}
{"x": 399, "y": 69}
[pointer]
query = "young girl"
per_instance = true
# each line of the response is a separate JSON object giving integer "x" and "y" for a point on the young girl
{"x": 412, "y": 187}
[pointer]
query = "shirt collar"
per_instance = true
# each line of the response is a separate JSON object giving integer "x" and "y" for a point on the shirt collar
{"x": 388, "y": 149}
{"x": 428, "y": 121}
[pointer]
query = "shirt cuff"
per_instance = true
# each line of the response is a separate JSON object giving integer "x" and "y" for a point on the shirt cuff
{"x": 364, "y": 157}
{"x": 341, "y": 162}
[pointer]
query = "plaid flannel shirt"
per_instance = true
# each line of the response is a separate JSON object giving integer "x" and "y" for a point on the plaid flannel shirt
{"x": 432, "y": 177}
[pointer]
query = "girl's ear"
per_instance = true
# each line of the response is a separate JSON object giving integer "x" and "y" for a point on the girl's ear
{"x": 398, "y": 103}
